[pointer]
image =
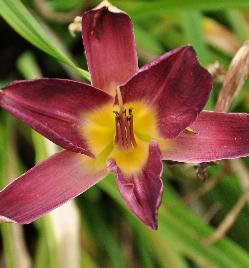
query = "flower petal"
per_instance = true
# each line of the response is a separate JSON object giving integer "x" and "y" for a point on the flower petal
{"x": 46, "y": 186}
{"x": 109, "y": 46}
{"x": 53, "y": 107}
{"x": 216, "y": 136}
{"x": 176, "y": 85}
{"x": 143, "y": 192}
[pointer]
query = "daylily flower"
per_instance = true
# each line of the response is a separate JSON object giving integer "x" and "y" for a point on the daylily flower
{"x": 127, "y": 121}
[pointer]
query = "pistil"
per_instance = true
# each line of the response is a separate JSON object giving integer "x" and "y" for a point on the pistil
{"x": 130, "y": 122}
{"x": 120, "y": 100}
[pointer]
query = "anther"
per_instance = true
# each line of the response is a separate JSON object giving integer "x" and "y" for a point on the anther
{"x": 116, "y": 113}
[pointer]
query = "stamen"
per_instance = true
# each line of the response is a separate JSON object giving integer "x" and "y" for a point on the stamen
{"x": 116, "y": 113}
{"x": 123, "y": 131}
{"x": 124, "y": 138}
{"x": 133, "y": 141}
{"x": 119, "y": 137}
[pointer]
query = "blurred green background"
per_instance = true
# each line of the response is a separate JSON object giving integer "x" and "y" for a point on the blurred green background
{"x": 96, "y": 229}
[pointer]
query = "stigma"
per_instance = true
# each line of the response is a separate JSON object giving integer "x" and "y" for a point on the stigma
{"x": 124, "y": 136}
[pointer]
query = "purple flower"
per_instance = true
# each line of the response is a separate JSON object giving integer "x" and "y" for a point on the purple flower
{"x": 127, "y": 121}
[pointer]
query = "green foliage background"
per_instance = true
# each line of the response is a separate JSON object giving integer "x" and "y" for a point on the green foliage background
{"x": 97, "y": 230}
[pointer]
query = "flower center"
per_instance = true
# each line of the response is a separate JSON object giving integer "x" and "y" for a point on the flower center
{"x": 124, "y": 137}
{"x": 121, "y": 132}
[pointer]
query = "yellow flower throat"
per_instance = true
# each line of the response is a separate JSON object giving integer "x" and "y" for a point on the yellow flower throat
{"x": 121, "y": 132}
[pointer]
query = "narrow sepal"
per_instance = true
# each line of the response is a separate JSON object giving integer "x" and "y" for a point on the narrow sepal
{"x": 142, "y": 192}
{"x": 54, "y": 107}
{"x": 213, "y": 136}
{"x": 45, "y": 187}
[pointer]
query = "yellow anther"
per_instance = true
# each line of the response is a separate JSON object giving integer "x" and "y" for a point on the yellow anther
{"x": 190, "y": 130}
{"x": 116, "y": 113}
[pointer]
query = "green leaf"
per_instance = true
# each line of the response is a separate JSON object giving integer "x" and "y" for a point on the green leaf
{"x": 136, "y": 8}
{"x": 19, "y": 18}
{"x": 147, "y": 45}
{"x": 28, "y": 67}
{"x": 192, "y": 28}
{"x": 238, "y": 23}
{"x": 64, "y": 5}
{"x": 184, "y": 231}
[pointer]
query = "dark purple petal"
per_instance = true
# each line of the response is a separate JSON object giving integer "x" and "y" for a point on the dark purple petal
{"x": 143, "y": 192}
{"x": 46, "y": 186}
{"x": 109, "y": 46}
{"x": 53, "y": 107}
{"x": 176, "y": 85}
{"x": 218, "y": 136}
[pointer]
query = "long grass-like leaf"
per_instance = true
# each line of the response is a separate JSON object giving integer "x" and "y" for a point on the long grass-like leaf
{"x": 192, "y": 29}
{"x": 136, "y": 8}
{"x": 19, "y": 18}
{"x": 184, "y": 231}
